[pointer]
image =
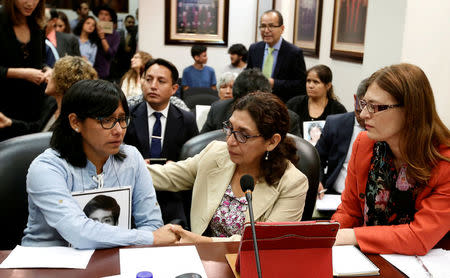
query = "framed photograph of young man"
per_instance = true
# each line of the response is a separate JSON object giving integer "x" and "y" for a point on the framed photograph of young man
{"x": 349, "y": 30}
{"x": 197, "y": 21}
{"x": 307, "y": 25}
{"x": 107, "y": 205}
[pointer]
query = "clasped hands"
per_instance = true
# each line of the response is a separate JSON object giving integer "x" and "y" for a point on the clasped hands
{"x": 172, "y": 233}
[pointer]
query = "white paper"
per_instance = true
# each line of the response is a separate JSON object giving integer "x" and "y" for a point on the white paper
{"x": 329, "y": 202}
{"x": 349, "y": 261}
{"x": 47, "y": 257}
{"x": 161, "y": 261}
{"x": 437, "y": 261}
{"x": 201, "y": 113}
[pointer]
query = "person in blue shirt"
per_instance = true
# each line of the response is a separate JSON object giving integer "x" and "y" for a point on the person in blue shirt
{"x": 198, "y": 75}
{"x": 87, "y": 153}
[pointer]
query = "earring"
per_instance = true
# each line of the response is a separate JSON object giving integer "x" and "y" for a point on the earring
{"x": 77, "y": 130}
{"x": 267, "y": 156}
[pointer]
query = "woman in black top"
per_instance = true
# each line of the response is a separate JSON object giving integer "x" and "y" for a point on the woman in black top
{"x": 320, "y": 100}
{"x": 22, "y": 54}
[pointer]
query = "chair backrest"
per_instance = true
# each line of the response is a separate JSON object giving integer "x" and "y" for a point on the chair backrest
{"x": 16, "y": 155}
{"x": 308, "y": 164}
{"x": 200, "y": 99}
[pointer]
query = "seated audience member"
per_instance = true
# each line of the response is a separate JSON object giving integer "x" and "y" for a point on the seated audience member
{"x": 67, "y": 71}
{"x": 250, "y": 80}
{"x": 65, "y": 44}
{"x": 225, "y": 85}
{"x": 335, "y": 145}
{"x": 109, "y": 42}
{"x": 320, "y": 100}
{"x": 131, "y": 81}
{"x": 159, "y": 129}
{"x": 82, "y": 10}
{"x": 103, "y": 209}
{"x": 256, "y": 145}
{"x": 198, "y": 75}
{"x": 238, "y": 58}
{"x": 86, "y": 30}
{"x": 397, "y": 192}
{"x": 62, "y": 23}
{"x": 87, "y": 153}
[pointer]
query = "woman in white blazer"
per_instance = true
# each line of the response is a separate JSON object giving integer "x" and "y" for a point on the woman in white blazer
{"x": 256, "y": 145}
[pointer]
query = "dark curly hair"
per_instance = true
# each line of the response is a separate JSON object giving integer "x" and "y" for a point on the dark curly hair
{"x": 271, "y": 116}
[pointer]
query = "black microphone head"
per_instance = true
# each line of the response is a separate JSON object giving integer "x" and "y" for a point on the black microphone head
{"x": 247, "y": 183}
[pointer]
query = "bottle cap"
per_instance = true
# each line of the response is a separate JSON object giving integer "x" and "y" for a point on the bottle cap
{"x": 144, "y": 274}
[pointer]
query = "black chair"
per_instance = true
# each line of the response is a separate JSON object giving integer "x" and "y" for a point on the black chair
{"x": 16, "y": 155}
{"x": 308, "y": 164}
{"x": 199, "y": 96}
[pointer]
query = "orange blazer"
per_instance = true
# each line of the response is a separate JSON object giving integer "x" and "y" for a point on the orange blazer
{"x": 431, "y": 221}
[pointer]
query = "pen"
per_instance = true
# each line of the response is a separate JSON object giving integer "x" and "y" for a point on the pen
{"x": 424, "y": 267}
{"x": 322, "y": 191}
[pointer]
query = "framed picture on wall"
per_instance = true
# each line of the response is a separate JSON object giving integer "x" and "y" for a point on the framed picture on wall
{"x": 261, "y": 7}
{"x": 349, "y": 29}
{"x": 197, "y": 22}
{"x": 307, "y": 24}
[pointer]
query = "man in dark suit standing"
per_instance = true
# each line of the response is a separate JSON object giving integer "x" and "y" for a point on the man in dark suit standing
{"x": 335, "y": 145}
{"x": 159, "y": 129}
{"x": 280, "y": 61}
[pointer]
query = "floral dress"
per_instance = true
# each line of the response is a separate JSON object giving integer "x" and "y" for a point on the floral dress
{"x": 229, "y": 217}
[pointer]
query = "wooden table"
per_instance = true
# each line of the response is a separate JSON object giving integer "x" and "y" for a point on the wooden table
{"x": 106, "y": 263}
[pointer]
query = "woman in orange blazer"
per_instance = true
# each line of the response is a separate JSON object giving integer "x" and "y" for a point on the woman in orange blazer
{"x": 397, "y": 192}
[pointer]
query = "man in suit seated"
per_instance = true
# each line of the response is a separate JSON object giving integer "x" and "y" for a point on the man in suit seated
{"x": 159, "y": 129}
{"x": 280, "y": 61}
{"x": 335, "y": 145}
{"x": 250, "y": 80}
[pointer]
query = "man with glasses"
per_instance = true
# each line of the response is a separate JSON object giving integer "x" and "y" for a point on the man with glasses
{"x": 335, "y": 145}
{"x": 159, "y": 129}
{"x": 280, "y": 61}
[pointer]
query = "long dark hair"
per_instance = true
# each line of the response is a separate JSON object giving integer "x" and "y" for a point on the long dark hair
{"x": 271, "y": 116}
{"x": 326, "y": 76}
{"x": 87, "y": 99}
{"x": 93, "y": 37}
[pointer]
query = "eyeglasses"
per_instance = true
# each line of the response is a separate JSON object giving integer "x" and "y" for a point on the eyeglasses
{"x": 269, "y": 27}
{"x": 239, "y": 136}
{"x": 110, "y": 122}
{"x": 374, "y": 108}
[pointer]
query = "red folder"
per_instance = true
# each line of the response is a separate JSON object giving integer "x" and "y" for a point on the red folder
{"x": 288, "y": 249}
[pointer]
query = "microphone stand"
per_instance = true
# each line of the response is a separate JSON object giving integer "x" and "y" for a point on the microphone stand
{"x": 248, "y": 195}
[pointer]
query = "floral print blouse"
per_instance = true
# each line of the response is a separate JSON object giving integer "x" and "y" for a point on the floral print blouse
{"x": 229, "y": 217}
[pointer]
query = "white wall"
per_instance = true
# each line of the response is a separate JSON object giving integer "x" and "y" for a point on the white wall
{"x": 426, "y": 43}
{"x": 397, "y": 31}
{"x": 151, "y": 34}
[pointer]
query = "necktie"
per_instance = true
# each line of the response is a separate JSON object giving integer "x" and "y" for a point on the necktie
{"x": 155, "y": 148}
{"x": 268, "y": 64}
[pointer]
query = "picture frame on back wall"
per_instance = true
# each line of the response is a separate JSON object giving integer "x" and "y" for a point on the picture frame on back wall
{"x": 196, "y": 22}
{"x": 349, "y": 29}
{"x": 307, "y": 26}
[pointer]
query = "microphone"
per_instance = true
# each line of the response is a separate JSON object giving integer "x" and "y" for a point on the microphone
{"x": 247, "y": 185}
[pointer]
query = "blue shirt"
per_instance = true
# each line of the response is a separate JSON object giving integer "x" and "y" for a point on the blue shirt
{"x": 56, "y": 219}
{"x": 88, "y": 49}
{"x": 276, "y": 50}
{"x": 194, "y": 78}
